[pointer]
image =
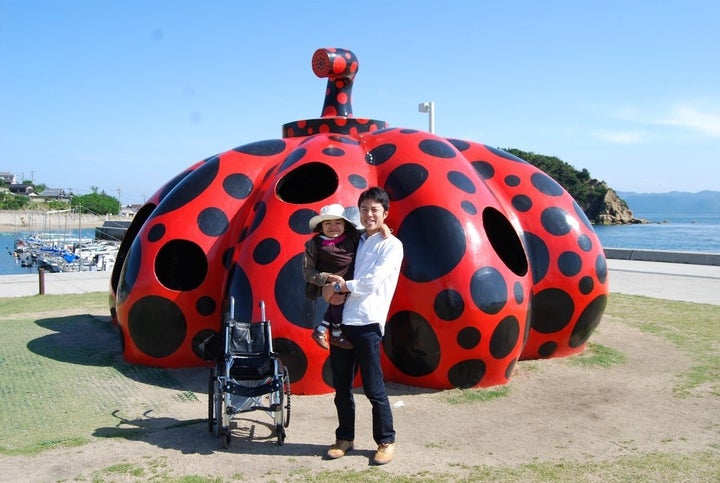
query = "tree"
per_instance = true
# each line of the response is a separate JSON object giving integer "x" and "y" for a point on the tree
{"x": 579, "y": 184}
{"x": 10, "y": 201}
{"x": 96, "y": 203}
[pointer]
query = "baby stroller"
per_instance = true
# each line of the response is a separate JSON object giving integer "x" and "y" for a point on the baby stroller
{"x": 247, "y": 376}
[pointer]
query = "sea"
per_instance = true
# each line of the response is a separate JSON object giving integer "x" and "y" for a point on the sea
{"x": 666, "y": 232}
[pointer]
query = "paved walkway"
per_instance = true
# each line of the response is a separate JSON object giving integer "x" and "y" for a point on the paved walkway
{"x": 671, "y": 281}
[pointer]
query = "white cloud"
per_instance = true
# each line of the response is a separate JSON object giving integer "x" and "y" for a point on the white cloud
{"x": 693, "y": 118}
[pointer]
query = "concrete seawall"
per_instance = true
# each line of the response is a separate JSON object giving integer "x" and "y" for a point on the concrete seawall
{"x": 691, "y": 258}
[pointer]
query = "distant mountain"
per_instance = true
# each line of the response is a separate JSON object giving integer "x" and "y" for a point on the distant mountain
{"x": 672, "y": 203}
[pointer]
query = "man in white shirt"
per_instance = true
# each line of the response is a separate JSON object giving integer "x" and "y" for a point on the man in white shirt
{"x": 367, "y": 302}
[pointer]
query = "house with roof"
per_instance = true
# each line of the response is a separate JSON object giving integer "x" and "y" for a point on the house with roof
{"x": 7, "y": 177}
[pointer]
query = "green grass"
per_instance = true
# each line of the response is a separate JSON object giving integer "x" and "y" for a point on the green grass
{"x": 692, "y": 328}
{"x": 471, "y": 396}
{"x": 597, "y": 355}
{"x": 65, "y": 374}
{"x": 52, "y": 378}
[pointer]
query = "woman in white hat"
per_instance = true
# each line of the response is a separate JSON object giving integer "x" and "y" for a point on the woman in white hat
{"x": 329, "y": 258}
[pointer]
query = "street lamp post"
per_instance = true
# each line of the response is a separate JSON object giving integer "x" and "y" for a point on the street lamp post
{"x": 429, "y": 107}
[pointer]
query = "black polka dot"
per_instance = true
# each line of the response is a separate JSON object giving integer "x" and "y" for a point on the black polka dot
{"x": 181, "y": 265}
{"x": 269, "y": 147}
{"x": 411, "y": 344}
{"x": 601, "y": 268}
{"x": 528, "y": 319}
{"x": 424, "y": 231}
{"x": 436, "y": 148}
{"x": 198, "y": 346}
{"x": 484, "y": 169}
{"x": 260, "y": 211}
{"x": 460, "y": 181}
{"x": 266, "y": 251}
{"x": 586, "y": 285}
{"x": 504, "y": 154}
{"x": 468, "y": 338}
{"x": 509, "y": 368}
{"x": 333, "y": 151}
{"x": 588, "y": 321}
{"x": 569, "y": 263}
{"x": 295, "y": 156}
{"x": 556, "y": 221}
{"x": 191, "y": 187}
{"x": 538, "y": 254}
{"x": 358, "y": 181}
{"x": 404, "y": 180}
{"x": 522, "y": 203}
{"x": 299, "y": 221}
{"x": 238, "y": 186}
{"x": 466, "y": 374}
{"x": 449, "y": 304}
{"x": 227, "y": 258}
{"x": 380, "y": 154}
{"x": 512, "y": 180}
{"x": 156, "y": 326}
{"x": 584, "y": 242}
{"x": 290, "y": 292}
{"x": 468, "y": 207}
{"x": 212, "y": 222}
{"x": 504, "y": 337}
{"x": 547, "y": 349}
{"x": 170, "y": 185}
{"x": 459, "y": 144}
{"x": 489, "y": 290}
{"x": 518, "y": 292}
{"x": 581, "y": 215}
{"x": 292, "y": 357}
{"x": 205, "y": 305}
{"x": 240, "y": 289}
{"x": 130, "y": 271}
{"x": 327, "y": 373}
{"x": 343, "y": 139}
{"x": 546, "y": 185}
{"x": 552, "y": 310}
{"x": 156, "y": 232}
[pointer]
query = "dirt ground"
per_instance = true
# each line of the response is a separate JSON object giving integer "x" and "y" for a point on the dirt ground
{"x": 555, "y": 411}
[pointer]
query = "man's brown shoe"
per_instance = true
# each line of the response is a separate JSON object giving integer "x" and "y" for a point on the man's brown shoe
{"x": 384, "y": 453}
{"x": 339, "y": 449}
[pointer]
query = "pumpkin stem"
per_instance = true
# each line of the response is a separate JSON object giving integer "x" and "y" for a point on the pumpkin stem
{"x": 340, "y": 67}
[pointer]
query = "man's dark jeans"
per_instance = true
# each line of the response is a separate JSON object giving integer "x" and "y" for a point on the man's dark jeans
{"x": 344, "y": 363}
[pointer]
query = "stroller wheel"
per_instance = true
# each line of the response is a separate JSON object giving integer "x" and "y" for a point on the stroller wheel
{"x": 226, "y": 438}
{"x": 280, "y": 430}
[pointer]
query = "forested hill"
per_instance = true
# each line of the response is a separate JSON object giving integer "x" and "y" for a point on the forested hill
{"x": 598, "y": 201}
{"x": 578, "y": 183}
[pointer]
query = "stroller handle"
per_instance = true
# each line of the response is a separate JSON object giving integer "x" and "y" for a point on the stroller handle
{"x": 232, "y": 309}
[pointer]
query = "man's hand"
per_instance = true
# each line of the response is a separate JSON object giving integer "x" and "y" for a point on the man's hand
{"x": 331, "y": 296}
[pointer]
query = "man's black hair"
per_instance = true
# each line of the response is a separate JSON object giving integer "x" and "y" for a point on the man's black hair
{"x": 376, "y": 194}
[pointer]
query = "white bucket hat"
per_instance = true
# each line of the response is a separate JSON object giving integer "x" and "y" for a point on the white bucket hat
{"x": 329, "y": 212}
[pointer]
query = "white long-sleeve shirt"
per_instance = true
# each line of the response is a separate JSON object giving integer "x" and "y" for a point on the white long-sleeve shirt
{"x": 377, "y": 268}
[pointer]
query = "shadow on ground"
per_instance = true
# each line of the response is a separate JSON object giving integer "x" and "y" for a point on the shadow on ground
{"x": 91, "y": 340}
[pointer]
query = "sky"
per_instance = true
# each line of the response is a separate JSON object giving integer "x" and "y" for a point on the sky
{"x": 121, "y": 96}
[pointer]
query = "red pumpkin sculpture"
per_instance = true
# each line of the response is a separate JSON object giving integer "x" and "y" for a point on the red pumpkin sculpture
{"x": 500, "y": 262}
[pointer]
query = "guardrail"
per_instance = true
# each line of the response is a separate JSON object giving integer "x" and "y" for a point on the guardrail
{"x": 692, "y": 258}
